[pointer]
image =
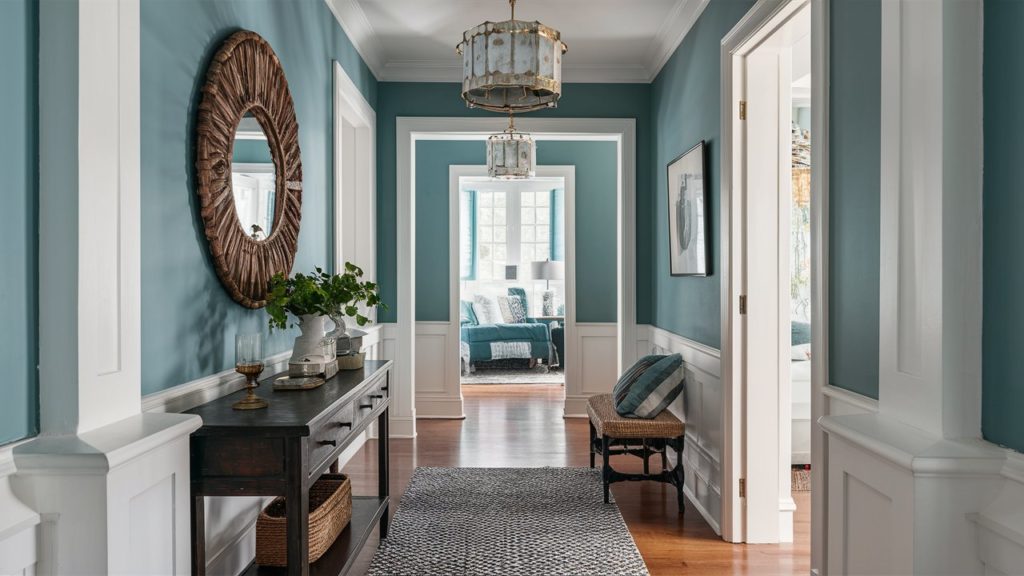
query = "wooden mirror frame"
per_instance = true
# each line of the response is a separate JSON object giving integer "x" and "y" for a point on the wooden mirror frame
{"x": 246, "y": 76}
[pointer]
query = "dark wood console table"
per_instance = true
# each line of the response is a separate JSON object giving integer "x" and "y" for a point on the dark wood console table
{"x": 283, "y": 450}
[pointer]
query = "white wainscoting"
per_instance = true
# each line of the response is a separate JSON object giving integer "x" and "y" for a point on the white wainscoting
{"x": 593, "y": 363}
{"x": 904, "y": 501}
{"x": 19, "y": 525}
{"x": 701, "y": 408}
{"x": 1000, "y": 525}
{"x": 129, "y": 511}
{"x": 438, "y": 393}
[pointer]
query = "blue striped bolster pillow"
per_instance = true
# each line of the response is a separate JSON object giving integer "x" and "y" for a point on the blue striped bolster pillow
{"x": 649, "y": 386}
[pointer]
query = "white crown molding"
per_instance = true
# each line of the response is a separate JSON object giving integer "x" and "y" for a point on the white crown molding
{"x": 356, "y": 25}
{"x": 451, "y": 71}
{"x": 672, "y": 33}
{"x": 358, "y": 29}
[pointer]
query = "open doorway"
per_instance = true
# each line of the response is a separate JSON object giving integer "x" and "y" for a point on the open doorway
{"x": 512, "y": 280}
{"x": 769, "y": 350}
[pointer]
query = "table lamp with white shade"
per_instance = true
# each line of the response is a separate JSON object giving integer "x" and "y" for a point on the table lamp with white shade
{"x": 548, "y": 270}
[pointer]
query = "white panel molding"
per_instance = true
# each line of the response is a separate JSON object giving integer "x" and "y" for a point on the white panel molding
{"x": 1000, "y": 525}
{"x": 109, "y": 176}
{"x": 438, "y": 390}
{"x": 592, "y": 369}
{"x": 931, "y": 146}
{"x": 19, "y": 524}
{"x": 920, "y": 470}
{"x": 135, "y": 469}
{"x": 701, "y": 408}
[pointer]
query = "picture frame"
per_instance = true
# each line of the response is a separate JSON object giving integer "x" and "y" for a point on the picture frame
{"x": 688, "y": 219}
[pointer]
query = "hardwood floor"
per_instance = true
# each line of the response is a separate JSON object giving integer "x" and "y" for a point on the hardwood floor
{"x": 522, "y": 426}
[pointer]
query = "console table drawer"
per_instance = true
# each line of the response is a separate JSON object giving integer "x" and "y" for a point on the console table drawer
{"x": 374, "y": 396}
{"x": 326, "y": 439}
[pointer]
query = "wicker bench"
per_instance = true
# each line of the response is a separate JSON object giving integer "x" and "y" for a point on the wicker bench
{"x": 611, "y": 434}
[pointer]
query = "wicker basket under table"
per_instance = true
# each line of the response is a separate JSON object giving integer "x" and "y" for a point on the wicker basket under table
{"x": 330, "y": 509}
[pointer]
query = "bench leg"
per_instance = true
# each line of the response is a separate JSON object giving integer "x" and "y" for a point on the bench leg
{"x": 647, "y": 458}
{"x": 680, "y": 474}
{"x": 606, "y": 471}
{"x": 590, "y": 446}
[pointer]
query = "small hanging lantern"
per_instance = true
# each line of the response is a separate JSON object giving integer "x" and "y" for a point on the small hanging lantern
{"x": 511, "y": 155}
{"x": 511, "y": 66}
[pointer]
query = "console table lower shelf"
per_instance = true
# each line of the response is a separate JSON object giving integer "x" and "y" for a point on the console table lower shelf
{"x": 367, "y": 511}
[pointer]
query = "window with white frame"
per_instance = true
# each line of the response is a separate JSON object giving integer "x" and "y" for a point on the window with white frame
{"x": 508, "y": 224}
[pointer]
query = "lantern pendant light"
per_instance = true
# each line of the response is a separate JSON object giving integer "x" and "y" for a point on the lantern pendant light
{"x": 511, "y": 155}
{"x": 512, "y": 66}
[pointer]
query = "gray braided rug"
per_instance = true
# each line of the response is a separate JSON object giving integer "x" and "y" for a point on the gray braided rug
{"x": 507, "y": 522}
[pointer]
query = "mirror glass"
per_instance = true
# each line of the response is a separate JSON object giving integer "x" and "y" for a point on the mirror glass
{"x": 253, "y": 179}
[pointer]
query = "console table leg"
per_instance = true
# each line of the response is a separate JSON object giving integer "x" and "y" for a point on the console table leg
{"x": 198, "y": 534}
{"x": 297, "y": 510}
{"x": 383, "y": 464}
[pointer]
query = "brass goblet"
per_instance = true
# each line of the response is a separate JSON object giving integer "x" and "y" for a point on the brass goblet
{"x": 249, "y": 363}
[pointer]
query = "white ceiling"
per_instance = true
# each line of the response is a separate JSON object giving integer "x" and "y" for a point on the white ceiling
{"x": 608, "y": 40}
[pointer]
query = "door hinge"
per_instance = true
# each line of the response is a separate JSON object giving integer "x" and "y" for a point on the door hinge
{"x": 743, "y": 304}
{"x": 743, "y": 487}
{"x": 743, "y": 109}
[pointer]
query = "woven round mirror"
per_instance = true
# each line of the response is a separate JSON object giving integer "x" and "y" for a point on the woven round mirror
{"x": 249, "y": 168}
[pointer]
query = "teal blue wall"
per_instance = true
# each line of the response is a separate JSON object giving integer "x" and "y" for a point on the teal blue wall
{"x": 251, "y": 152}
{"x": 188, "y": 320}
{"x": 432, "y": 226}
{"x": 442, "y": 99}
{"x": 685, "y": 104}
{"x": 854, "y": 176}
{"x": 19, "y": 49}
{"x": 1002, "y": 361}
{"x": 595, "y": 164}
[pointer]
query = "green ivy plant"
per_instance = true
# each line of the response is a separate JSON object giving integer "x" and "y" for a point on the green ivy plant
{"x": 321, "y": 293}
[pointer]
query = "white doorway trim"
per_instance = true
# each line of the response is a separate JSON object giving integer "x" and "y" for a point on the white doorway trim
{"x": 355, "y": 179}
{"x": 409, "y": 130}
{"x": 564, "y": 177}
{"x": 737, "y": 463}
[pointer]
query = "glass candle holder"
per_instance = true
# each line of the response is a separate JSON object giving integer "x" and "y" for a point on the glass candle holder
{"x": 249, "y": 363}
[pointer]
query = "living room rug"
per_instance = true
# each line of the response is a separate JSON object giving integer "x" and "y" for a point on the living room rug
{"x": 537, "y": 375}
{"x": 507, "y": 521}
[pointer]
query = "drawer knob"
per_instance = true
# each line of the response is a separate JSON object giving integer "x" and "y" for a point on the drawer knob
{"x": 343, "y": 424}
{"x": 384, "y": 387}
{"x": 328, "y": 443}
{"x": 375, "y": 396}
{"x": 366, "y": 405}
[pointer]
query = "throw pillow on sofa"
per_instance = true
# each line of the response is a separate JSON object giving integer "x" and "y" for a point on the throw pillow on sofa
{"x": 486, "y": 310}
{"x": 512, "y": 311}
{"x": 649, "y": 386}
{"x": 466, "y": 315}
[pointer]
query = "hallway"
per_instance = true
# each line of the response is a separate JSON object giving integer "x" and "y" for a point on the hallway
{"x": 522, "y": 426}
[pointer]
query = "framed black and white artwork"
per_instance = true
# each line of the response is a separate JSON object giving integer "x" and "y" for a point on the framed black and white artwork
{"x": 689, "y": 251}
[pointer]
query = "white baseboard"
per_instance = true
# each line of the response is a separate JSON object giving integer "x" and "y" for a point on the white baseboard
{"x": 439, "y": 408}
{"x": 402, "y": 427}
